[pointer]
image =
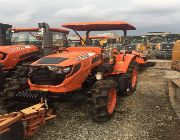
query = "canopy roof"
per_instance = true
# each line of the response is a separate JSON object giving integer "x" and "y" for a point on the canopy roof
{"x": 99, "y": 26}
{"x": 37, "y": 29}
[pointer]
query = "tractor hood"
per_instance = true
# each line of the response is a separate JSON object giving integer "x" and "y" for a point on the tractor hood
{"x": 17, "y": 48}
{"x": 65, "y": 58}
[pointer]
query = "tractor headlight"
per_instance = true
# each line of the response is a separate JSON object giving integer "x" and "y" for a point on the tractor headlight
{"x": 99, "y": 76}
{"x": 53, "y": 68}
{"x": 60, "y": 70}
{"x": 67, "y": 69}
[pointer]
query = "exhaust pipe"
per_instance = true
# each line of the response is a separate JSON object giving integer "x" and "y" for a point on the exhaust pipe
{"x": 111, "y": 43}
{"x": 47, "y": 40}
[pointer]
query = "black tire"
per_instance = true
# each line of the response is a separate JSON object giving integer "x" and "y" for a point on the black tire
{"x": 131, "y": 84}
{"x": 98, "y": 99}
{"x": 14, "y": 84}
{"x": 16, "y": 132}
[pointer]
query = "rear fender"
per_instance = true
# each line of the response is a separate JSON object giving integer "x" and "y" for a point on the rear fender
{"x": 121, "y": 65}
{"x": 141, "y": 60}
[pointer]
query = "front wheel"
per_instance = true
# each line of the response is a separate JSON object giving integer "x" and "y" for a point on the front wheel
{"x": 102, "y": 101}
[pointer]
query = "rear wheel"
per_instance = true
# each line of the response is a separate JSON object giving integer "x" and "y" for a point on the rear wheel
{"x": 102, "y": 101}
{"x": 13, "y": 85}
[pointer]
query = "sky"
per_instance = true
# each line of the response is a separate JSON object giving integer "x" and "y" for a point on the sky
{"x": 145, "y": 15}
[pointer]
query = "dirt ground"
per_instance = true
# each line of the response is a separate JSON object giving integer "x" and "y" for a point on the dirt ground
{"x": 145, "y": 115}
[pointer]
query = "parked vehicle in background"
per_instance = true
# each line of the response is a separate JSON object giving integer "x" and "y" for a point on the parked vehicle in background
{"x": 5, "y": 34}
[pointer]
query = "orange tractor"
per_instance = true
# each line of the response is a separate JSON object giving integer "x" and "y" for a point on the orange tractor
{"x": 100, "y": 73}
{"x": 26, "y": 45}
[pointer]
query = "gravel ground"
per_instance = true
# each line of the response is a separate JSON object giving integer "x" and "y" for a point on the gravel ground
{"x": 145, "y": 115}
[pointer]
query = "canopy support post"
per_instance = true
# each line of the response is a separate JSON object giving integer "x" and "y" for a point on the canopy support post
{"x": 125, "y": 32}
{"x": 79, "y": 36}
{"x": 87, "y": 37}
